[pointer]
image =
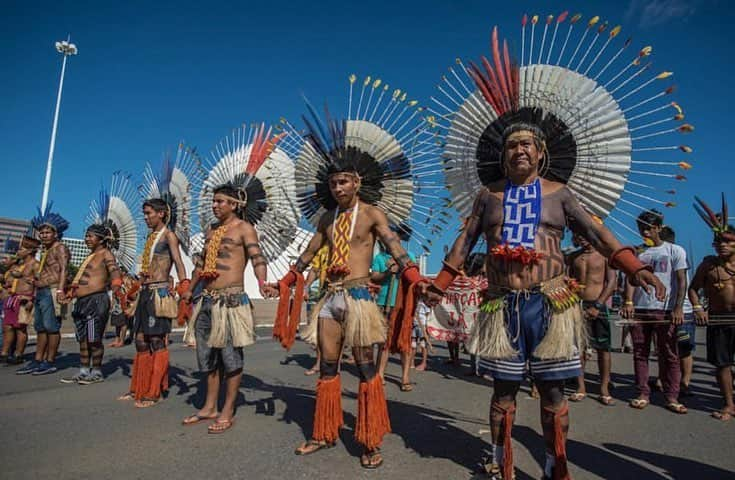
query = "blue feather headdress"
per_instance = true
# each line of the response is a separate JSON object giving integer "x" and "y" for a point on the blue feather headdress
{"x": 47, "y": 218}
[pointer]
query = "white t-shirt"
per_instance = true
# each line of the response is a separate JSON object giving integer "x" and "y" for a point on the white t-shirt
{"x": 666, "y": 260}
{"x": 422, "y": 314}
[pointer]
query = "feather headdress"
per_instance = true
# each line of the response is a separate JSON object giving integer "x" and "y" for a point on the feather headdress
{"x": 47, "y": 218}
{"x": 717, "y": 222}
{"x": 175, "y": 182}
{"x": 112, "y": 217}
{"x": 252, "y": 164}
{"x": 604, "y": 126}
{"x": 388, "y": 144}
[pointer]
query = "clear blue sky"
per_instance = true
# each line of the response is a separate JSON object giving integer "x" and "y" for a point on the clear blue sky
{"x": 149, "y": 74}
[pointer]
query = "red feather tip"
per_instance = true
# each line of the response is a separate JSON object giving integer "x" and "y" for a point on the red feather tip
{"x": 562, "y": 16}
{"x": 524, "y": 20}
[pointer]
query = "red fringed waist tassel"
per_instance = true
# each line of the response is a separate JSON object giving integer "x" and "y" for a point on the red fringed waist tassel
{"x": 288, "y": 314}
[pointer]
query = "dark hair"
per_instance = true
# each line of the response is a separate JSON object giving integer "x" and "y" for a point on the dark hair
{"x": 159, "y": 205}
{"x": 539, "y": 139}
{"x": 236, "y": 193}
{"x": 650, "y": 218}
{"x": 667, "y": 234}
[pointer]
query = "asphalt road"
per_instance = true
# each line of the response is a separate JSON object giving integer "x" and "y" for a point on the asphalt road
{"x": 52, "y": 430}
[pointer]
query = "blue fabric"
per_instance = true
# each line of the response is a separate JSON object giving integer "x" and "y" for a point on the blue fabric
{"x": 44, "y": 318}
{"x": 380, "y": 265}
{"x": 521, "y": 214}
{"x": 527, "y": 319}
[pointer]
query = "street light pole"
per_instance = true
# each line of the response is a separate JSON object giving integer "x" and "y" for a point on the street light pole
{"x": 66, "y": 49}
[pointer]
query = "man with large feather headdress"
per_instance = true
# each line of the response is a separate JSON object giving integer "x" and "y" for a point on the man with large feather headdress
{"x": 166, "y": 208}
{"x": 716, "y": 276}
{"x": 50, "y": 286}
{"x": 526, "y": 151}
{"x": 355, "y": 177}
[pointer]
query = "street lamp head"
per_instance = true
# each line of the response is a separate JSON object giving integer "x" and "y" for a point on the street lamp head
{"x": 66, "y": 48}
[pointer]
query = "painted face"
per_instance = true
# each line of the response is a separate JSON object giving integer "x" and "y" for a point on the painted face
{"x": 47, "y": 235}
{"x": 521, "y": 155}
{"x": 222, "y": 206}
{"x": 153, "y": 218}
{"x": 344, "y": 187}
{"x": 92, "y": 240}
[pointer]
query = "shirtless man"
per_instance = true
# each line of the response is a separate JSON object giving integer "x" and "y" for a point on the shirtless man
{"x": 18, "y": 306}
{"x": 716, "y": 276}
{"x": 598, "y": 282}
{"x": 224, "y": 322}
{"x": 91, "y": 310}
{"x": 152, "y": 321}
{"x": 348, "y": 315}
{"x": 50, "y": 284}
{"x": 523, "y": 217}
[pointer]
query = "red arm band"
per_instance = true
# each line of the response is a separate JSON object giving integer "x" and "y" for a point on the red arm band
{"x": 411, "y": 273}
{"x": 445, "y": 277}
{"x": 625, "y": 259}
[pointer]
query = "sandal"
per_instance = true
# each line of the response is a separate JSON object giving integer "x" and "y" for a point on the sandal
{"x": 676, "y": 407}
{"x": 607, "y": 400}
{"x": 639, "y": 403}
{"x": 196, "y": 418}
{"x": 722, "y": 415}
{"x": 127, "y": 396}
{"x": 406, "y": 387}
{"x": 577, "y": 396}
{"x": 147, "y": 402}
{"x": 313, "y": 446}
{"x": 371, "y": 460}
{"x": 311, "y": 371}
{"x": 220, "y": 426}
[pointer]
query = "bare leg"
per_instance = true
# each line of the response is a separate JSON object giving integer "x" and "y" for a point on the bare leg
{"x": 53, "y": 346}
{"x": 424, "y": 358}
{"x": 8, "y": 339}
{"x": 383, "y": 356}
{"x": 232, "y": 388}
{"x": 41, "y": 345}
{"x": 687, "y": 365}
{"x": 604, "y": 362}
{"x": 581, "y": 392}
{"x": 406, "y": 361}
{"x": 20, "y": 341}
{"x": 210, "y": 404}
{"x": 724, "y": 379}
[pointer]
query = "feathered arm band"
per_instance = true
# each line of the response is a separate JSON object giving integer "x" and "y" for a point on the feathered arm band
{"x": 624, "y": 259}
{"x": 401, "y": 318}
{"x": 184, "y": 306}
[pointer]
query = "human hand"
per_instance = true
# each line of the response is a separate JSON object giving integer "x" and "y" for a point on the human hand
{"x": 270, "y": 290}
{"x": 591, "y": 312}
{"x": 677, "y": 316}
{"x": 701, "y": 317}
{"x": 646, "y": 280}
{"x": 627, "y": 311}
{"x": 186, "y": 296}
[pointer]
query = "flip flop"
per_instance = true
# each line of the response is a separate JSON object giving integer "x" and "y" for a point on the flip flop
{"x": 406, "y": 387}
{"x": 127, "y": 396}
{"x": 302, "y": 450}
{"x": 196, "y": 418}
{"x": 147, "y": 403}
{"x": 577, "y": 397}
{"x": 607, "y": 400}
{"x": 639, "y": 403}
{"x": 367, "y": 459}
{"x": 722, "y": 415}
{"x": 676, "y": 407}
{"x": 311, "y": 371}
{"x": 220, "y": 426}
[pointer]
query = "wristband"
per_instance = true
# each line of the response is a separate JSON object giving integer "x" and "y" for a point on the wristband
{"x": 628, "y": 302}
{"x": 625, "y": 259}
{"x": 411, "y": 273}
{"x": 445, "y": 277}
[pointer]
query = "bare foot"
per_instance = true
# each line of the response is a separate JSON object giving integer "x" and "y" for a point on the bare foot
{"x": 421, "y": 367}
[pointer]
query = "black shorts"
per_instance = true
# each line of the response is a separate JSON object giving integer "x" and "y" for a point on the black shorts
{"x": 598, "y": 328}
{"x": 146, "y": 320}
{"x": 721, "y": 345}
{"x": 229, "y": 359}
{"x": 90, "y": 316}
